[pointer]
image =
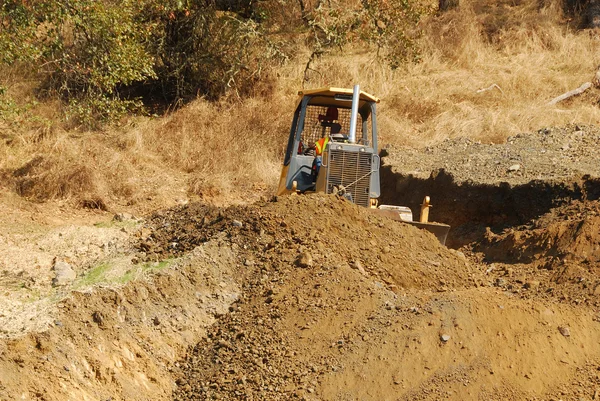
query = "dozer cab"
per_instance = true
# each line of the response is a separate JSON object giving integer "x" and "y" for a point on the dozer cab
{"x": 332, "y": 148}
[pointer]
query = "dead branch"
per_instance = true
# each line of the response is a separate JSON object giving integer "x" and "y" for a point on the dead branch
{"x": 492, "y": 86}
{"x": 314, "y": 54}
{"x": 569, "y": 94}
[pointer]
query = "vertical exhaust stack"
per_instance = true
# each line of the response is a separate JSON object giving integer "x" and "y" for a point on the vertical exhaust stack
{"x": 354, "y": 115}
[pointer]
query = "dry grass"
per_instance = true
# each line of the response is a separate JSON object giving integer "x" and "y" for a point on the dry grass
{"x": 532, "y": 59}
{"x": 230, "y": 152}
{"x": 224, "y": 153}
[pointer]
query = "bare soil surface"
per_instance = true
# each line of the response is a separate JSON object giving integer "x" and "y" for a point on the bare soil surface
{"x": 312, "y": 298}
{"x": 550, "y": 154}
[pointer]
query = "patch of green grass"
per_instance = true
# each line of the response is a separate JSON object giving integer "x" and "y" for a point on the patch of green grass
{"x": 127, "y": 277}
{"x": 102, "y": 273}
{"x": 104, "y": 224}
{"x": 156, "y": 266}
{"x": 93, "y": 276}
{"x": 28, "y": 296}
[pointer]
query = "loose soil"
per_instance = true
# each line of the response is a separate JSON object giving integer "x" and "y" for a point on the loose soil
{"x": 312, "y": 298}
{"x": 550, "y": 154}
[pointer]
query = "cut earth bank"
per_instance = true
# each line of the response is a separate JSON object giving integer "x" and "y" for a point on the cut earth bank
{"x": 309, "y": 297}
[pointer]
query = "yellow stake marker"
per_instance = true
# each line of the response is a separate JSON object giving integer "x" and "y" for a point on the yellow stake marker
{"x": 425, "y": 210}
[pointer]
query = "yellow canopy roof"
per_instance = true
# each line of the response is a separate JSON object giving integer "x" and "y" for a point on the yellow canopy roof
{"x": 331, "y": 92}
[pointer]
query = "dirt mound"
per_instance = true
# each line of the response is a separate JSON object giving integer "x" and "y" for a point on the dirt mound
{"x": 567, "y": 233}
{"x": 554, "y": 256}
{"x": 313, "y": 231}
{"x": 311, "y": 264}
{"x": 121, "y": 343}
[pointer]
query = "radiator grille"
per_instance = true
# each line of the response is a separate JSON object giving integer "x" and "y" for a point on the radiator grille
{"x": 351, "y": 170}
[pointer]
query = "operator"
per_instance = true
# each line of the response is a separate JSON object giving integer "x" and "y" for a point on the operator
{"x": 320, "y": 147}
{"x": 327, "y": 121}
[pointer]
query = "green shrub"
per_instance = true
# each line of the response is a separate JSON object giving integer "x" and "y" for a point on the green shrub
{"x": 394, "y": 28}
{"x": 390, "y": 25}
{"x": 104, "y": 57}
{"x": 107, "y": 58}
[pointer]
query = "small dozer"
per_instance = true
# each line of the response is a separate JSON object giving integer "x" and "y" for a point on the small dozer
{"x": 332, "y": 148}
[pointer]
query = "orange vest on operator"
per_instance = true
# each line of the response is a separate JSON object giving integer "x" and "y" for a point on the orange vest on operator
{"x": 321, "y": 144}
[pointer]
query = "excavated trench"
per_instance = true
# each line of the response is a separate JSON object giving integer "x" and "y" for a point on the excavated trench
{"x": 470, "y": 208}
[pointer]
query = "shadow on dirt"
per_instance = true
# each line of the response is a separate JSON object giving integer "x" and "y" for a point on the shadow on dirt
{"x": 469, "y": 207}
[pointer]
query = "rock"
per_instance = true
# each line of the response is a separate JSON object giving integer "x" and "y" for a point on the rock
{"x": 142, "y": 292}
{"x": 98, "y": 318}
{"x": 64, "y": 274}
{"x": 532, "y": 284}
{"x": 237, "y": 223}
{"x": 514, "y": 167}
{"x": 564, "y": 330}
{"x": 123, "y": 217}
{"x": 445, "y": 337}
{"x": 145, "y": 232}
{"x": 358, "y": 266}
{"x": 304, "y": 260}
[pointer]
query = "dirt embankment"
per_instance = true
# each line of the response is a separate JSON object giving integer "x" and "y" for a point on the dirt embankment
{"x": 121, "y": 343}
{"x": 310, "y": 297}
{"x": 332, "y": 330}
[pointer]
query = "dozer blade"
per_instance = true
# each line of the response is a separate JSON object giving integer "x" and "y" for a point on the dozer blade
{"x": 438, "y": 229}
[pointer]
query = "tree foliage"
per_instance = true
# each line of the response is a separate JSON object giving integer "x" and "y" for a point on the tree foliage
{"x": 103, "y": 57}
{"x": 390, "y": 25}
{"x": 106, "y": 58}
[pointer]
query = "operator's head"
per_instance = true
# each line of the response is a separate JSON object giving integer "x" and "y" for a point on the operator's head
{"x": 330, "y": 115}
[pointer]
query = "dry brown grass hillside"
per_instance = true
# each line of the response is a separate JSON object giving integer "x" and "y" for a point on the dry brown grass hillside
{"x": 229, "y": 151}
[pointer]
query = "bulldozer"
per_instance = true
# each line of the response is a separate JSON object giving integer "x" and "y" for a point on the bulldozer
{"x": 332, "y": 149}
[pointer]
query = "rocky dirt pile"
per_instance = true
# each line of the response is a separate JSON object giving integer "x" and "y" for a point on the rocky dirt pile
{"x": 312, "y": 231}
{"x": 554, "y": 256}
{"x": 311, "y": 264}
{"x": 339, "y": 304}
{"x": 556, "y": 153}
{"x": 567, "y": 233}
